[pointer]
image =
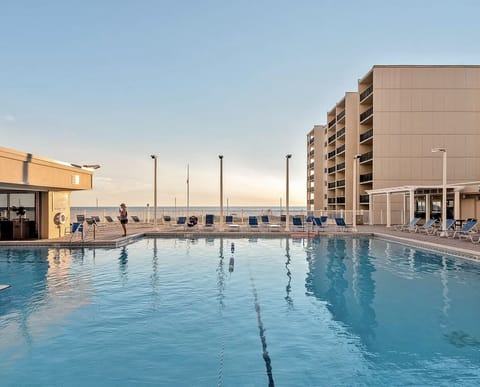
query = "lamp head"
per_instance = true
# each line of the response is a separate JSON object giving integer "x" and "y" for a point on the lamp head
{"x": 220, "y": 157}
{"x": 153, "y": 156}
{"x": 289, "y": 156}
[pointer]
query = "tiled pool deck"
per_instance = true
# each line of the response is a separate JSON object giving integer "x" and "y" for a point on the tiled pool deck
{"x": 110, "y": 235}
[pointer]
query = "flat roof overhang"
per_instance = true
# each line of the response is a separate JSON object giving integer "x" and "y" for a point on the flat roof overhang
{"x": 20, "y": 171}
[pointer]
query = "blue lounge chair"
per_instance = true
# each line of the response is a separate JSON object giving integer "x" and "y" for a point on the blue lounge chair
{"x": 77, "y": 228}
{"x": 297, "y": 223}
{"x": 341, "y": 225}
{"x": 209, "y": 220}
{"x": 465, "y": 231}
{"x": 268, "y": 225}
{"x": 427, "y": 226}
{"x": 449, "y": 227}
{"x": 412, "y": 226}
{"x": 253, "y": 222}
{"x": 318, "y": 224}
{"x": 181, "y": 221}
{"x": 230, "y": 224}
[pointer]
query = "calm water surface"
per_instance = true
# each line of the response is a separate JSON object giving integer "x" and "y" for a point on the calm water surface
{"x": 180, "y": 312}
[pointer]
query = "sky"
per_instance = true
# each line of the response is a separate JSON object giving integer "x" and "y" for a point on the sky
{"x": 112, "y": 82}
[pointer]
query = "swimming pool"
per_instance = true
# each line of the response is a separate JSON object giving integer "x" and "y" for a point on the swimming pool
{"x": 181, "y": 312}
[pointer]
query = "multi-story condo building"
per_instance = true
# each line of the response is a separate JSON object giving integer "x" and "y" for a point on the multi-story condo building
{"x": 379, "y": 140}
{"x": 315, "y": 162}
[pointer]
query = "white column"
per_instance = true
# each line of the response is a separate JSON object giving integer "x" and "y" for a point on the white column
{"x": 428, "y": 214}
{"x": 370, "y": 209}
{"x": 389, "y": 209}
{"x": 456, "y": 209}
{"x": 411, "y": 205}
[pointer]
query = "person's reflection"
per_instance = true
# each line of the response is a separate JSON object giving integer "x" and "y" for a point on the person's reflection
{"x": 123, "y": 261}
{"x": 288, "y": 288}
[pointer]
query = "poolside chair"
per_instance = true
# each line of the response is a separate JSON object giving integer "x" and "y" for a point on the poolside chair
{"x": 209, "y": 220}
{"x": 77, "y": 228}
{"x": 318, "y": 224}
{"x": 181, "y": 221}
{"x": 167, "y": 219}
{"x": 253, "y": 222}
{"x": 230, "y": 224}
{"x": 135, "y": 219}
{"x": 341, "y": 225}
{"x": 297, "y": 223}
{"x": 109, "y": 219}
{"x": 407, "y": 227}
{"x": 465, "y": 231}
{"x": 449, "y": 227}
{"x": 80, "y": 218}
{"x": 427, "y": 226}
{"x": 268, "y": 225}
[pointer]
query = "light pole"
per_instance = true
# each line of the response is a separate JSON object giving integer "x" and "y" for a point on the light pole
{"x": 154, "y": 157}
{"x": 354, "y": 193}
{"x": 188, "y": 191}
{"x": 444, "y": 190}
{"x": 221, "y": 191}
{"x": 287, "y": 203}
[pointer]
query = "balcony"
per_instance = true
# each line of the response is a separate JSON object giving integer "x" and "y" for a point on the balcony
{"x": 366, "y": 136}
{"x": 340, "y": 183}
{"x": 312, "y": 140}
{"x": 366, "y": 178}
{"x": 340, "y": 149}
{"x": 366, "y": 157}
{"x": 331, "y": 200}
{"x": 331, "y": 170}
{"x": 332, "y": 138}
{"x": 340, "y": 199}
{"x": 312, "y": 153}
{"x": 311, "y": 178}
{"x": 331, "y": 123}
{"x": 340, "y": 115}
{"x": 341, "y": 166}
{"x": 311, "y": 165}
{"x": 366, "y": 114}
{"x": 366, "y": 93}
{"x": 341, "y": 132}
{"x": 331, "y": 185}
{"x": 331, "y": 154}
{"x": 364, "y": 199}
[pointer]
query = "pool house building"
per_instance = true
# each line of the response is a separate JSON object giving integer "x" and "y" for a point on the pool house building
{"x": 380, "y": 153}
{"x": 35, "y": 195}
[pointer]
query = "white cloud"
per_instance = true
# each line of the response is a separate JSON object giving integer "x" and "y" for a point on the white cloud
{"x": 8, "y": 118}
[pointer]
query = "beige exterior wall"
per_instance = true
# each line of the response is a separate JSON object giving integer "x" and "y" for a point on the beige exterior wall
{"x": 315, "y": 167}
{"x": 52, "y": 180}
{"x": 396, "y": 117}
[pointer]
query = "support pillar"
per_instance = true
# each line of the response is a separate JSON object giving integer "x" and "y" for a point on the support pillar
{"x": 389, "y": 209}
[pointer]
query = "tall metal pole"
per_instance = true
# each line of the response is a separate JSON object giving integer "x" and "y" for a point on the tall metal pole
{"x": 154, "y": 157}
{"x": 287, "y": 197}
{"x": 188, "y": 191}
{"x": 221, "y": 191}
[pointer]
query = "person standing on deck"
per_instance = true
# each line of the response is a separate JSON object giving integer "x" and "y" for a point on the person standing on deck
{"x": 123, "y": 218}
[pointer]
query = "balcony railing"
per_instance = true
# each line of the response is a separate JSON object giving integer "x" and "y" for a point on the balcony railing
{"x": 367, "y": 113}
{"x": 340, "y": 115}
{"x": 366, "y": 177}
{"x": 365, "y": 136}
{"x": 341, "y": 166}
{"x": 340, "y": 149}
{"x": 366, "y": 93}
{"x": 366, "y": 156}
{"x": 331, "y": 170}
{"x": 340, "y": 183}
{"x": 331, "y": 185}
{"x": 332, "y": 138}
{"x": 340, "y": 199}
{"x": 331, "y": 123}
{"x": 331, "y": 154}
{"x": 341, "y": 132}
{"x": 364, "y": 199}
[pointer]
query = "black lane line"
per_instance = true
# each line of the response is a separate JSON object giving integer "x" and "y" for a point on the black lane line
{"x": 266, "y": 356}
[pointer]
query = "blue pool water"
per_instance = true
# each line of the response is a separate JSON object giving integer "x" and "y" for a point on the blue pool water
{"x": 179, "y": 312}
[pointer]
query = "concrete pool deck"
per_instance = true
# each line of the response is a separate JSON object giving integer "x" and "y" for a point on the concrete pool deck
{"x": 110, "y": 235}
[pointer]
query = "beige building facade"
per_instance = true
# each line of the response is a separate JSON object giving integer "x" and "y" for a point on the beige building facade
{"x": 35, "y": 195}
{"x": 380, "y": 139}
